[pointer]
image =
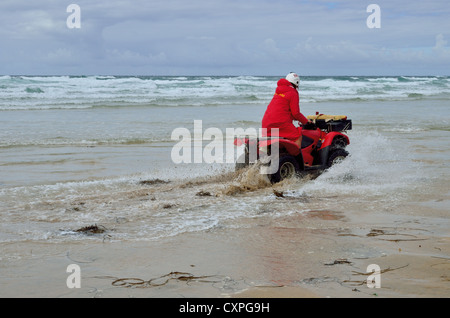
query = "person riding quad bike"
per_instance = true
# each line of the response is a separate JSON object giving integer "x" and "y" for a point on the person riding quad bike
{"x": 284, "y": 109}
{"x": 318, "y": 144}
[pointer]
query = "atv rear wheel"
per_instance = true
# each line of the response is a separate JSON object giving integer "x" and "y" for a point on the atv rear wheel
{"x": 336, "y": 156}
{"x": 287, "y": 168}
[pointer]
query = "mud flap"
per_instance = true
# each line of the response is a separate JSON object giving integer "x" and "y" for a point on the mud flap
{"x": 269, "y": 159}
{"x": 323, "y": 156}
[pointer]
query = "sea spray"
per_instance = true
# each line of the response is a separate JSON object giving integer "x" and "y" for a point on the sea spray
{"x": 376, "y": 168}
{"x": 248, "y": 179}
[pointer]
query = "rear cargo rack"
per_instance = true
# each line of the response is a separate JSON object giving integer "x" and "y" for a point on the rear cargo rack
{"x": 334, "y": 125}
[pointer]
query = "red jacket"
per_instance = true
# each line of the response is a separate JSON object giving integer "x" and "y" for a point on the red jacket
{"x": 284, "y": 107}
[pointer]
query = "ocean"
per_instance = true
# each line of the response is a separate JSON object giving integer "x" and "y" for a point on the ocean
{"x": 78, "y": 151}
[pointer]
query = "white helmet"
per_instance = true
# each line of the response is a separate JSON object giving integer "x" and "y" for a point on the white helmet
{"x": 293, "y": 78}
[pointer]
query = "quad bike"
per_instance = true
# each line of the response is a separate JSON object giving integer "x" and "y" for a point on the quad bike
{"x": 323, "y": 144}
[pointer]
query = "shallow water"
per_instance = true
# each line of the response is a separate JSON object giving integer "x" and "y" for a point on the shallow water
{"x": 81, "y": 161}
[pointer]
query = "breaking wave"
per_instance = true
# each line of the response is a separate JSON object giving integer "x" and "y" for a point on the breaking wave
{"x": 80, "y": 92}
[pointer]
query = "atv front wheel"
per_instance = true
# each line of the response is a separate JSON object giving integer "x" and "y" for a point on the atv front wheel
{"x": 287, "y": 168}
{"x": 336, "y": 156}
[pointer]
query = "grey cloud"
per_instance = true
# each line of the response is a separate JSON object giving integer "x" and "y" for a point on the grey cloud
{"x": 222, "y": 36}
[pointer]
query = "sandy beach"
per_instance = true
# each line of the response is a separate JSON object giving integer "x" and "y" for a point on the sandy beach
{"x": 318, "y": 253}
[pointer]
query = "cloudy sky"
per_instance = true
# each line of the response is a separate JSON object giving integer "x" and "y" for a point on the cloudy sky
{"x": 225, "y": 37}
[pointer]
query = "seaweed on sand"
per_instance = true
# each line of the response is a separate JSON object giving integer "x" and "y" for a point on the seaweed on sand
{"x": 153, "y": 182}
{"x": 162, "y": 280}
{"x": 92, "y": 229}
{"x": 203, "y": 194}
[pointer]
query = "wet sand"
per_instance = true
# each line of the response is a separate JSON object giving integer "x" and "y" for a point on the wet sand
{"x": 320, "y": 253}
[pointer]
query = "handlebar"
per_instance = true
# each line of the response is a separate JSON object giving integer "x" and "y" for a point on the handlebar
{"x": 309, "y": 126}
